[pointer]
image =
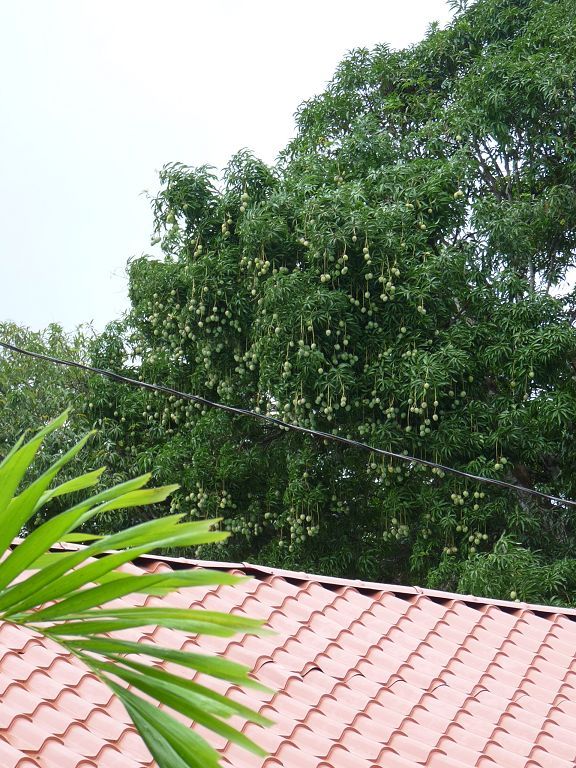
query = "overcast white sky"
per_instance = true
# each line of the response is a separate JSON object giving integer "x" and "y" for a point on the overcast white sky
{"x": 97, "y": 95}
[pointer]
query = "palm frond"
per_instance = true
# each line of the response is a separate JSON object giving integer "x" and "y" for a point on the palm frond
{"x": 68, "y": 597}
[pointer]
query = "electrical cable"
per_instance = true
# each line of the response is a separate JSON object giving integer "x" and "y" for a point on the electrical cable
{"x": 285, "y": 425}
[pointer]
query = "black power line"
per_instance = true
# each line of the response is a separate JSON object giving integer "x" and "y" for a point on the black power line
{"x": 285, "y": 425}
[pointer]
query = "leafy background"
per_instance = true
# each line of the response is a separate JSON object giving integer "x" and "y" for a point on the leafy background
{"x": 400, "y": 276}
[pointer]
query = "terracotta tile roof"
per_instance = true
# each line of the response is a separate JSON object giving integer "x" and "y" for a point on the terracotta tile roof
{"x": 366, "y": 676}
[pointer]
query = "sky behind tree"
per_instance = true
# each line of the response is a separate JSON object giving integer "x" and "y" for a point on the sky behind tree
{"x": 98, "y": 96}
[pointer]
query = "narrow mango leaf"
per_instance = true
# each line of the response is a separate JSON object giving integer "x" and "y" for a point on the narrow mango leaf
{"x": 158, "y": 688}
{"x": 215, "y": 666}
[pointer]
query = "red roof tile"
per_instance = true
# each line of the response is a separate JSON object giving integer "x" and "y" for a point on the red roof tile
{"x": 366, "y": 676}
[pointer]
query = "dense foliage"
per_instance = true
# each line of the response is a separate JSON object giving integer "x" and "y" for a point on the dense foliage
{"x": 31, "y": 391}
{"x": 400, "y": 278}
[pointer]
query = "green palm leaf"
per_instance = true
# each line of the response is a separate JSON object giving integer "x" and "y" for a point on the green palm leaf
{"x": 67, "y": 596}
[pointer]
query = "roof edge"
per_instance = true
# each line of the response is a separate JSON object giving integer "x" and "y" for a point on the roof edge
{"x": 255, "y": 570}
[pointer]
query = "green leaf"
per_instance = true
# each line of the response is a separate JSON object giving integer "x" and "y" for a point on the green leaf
{"x": 148, "y": 531}
{"x": 87, "y": 480}
{"x": 160, "y": 687}
{"x": 172, "y": 744}
{"x": 121, "y": 586}
{"x": 13, "y": 601}
{"x": 12, "y": 470}
{"x": 102, "y": 571}
{"x": 45, "y": 560}
{"x": 155, "y": 615}
{"x": 219, "y": 705}
{"x": 41, "y": 539}
{"x": 80, "y": 538}
{"x": 107, "y": 620}
{"x": 154, "y": 534}
{"x": 87, "y": 627}
{"x": 160, "y": 749}
{"x": 13, "y": 450}
{"x": 211, "y": 665}
{"x": 142, "y": 498}
{"x": 24, "y": 506}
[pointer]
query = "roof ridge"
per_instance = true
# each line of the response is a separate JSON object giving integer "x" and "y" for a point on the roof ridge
{"x": 256, "y": 571}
